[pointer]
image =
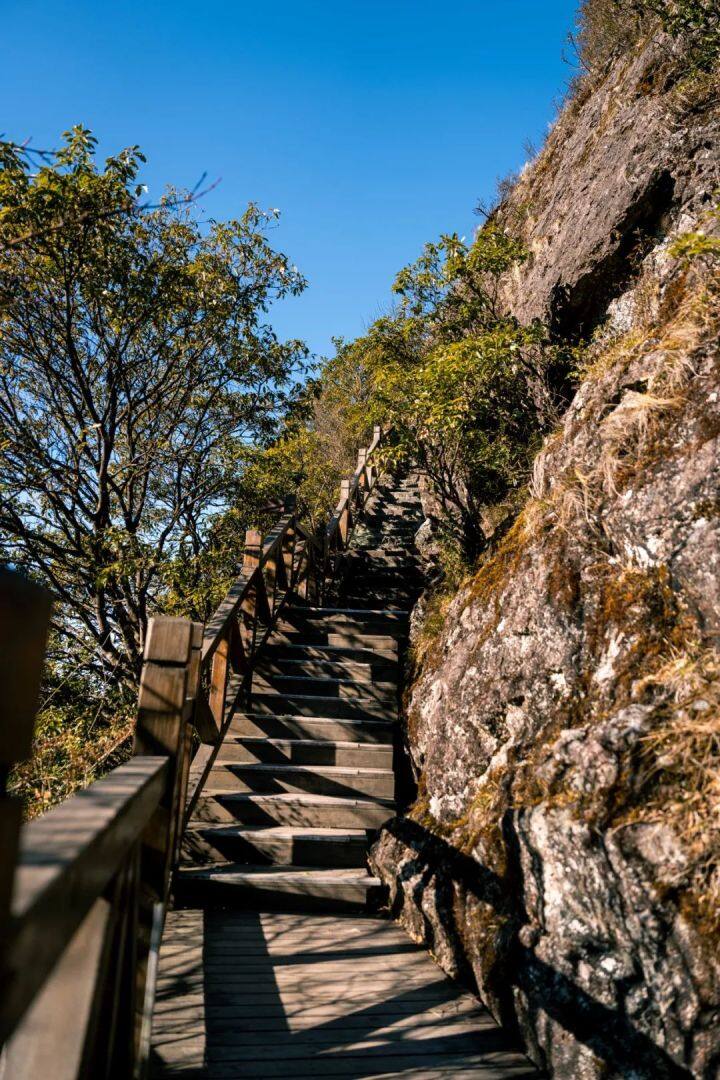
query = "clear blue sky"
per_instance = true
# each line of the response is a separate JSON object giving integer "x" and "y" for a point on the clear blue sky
{"x": 373, "y": 125}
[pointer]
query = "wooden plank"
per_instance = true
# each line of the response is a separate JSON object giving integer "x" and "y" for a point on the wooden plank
{"x": 168, "y": 637}
{"x": 67, "y": 858}
{"x": 218, "y": 682}
{"x": 343, "y": 1012}
{"x": 227, "y": 610}
{"x": 205, "y": 721}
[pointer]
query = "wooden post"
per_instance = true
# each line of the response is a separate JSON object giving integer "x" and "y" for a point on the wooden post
{"x": 192, "y": 694}
{"x": 363, "y": 479}
{"x": 289, "y": 540}
{"x": 251, "y": 560}
{"x": 160, "y": 730}
{"x": 24, "y": 619}
{"x": 344, "y": 524}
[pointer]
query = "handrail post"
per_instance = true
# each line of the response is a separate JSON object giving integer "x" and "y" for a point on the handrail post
{"x": 248, "y": 608}
{"x": 344, "y": 524}
{"x": 363, "y": 478}
{"x": 24, "y": 620}
{"x": 289, "y": 541}
{"x": 162, "y": 715}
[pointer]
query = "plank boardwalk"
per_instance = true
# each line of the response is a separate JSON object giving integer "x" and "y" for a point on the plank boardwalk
{"x": 275, "y": 962}
{"x": 243, "y": 994}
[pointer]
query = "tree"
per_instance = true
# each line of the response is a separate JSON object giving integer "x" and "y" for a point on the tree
{"x": 468, "y": 390}
{"x": 136, "y": 368}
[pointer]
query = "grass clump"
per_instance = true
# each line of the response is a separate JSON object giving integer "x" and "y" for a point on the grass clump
{"x": 608, "y": 28}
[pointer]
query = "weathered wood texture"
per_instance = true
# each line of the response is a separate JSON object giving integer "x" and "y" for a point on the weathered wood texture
{"x": 296, "y": 995}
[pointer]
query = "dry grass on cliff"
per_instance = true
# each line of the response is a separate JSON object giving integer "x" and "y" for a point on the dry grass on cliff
{"x": 640, "y": 393}
{"x": 681, "y": 769}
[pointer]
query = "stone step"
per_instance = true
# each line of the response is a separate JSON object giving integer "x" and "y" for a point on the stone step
{"x": 312, "y": 779}
{"x": 343, "y": 689}
{"x": 279, "y": 846}
{"x": 322, "y": 705}
{"x": 269, "y": 888}
{"x": 335, "y": 729}
{"x": 250, "y": 749}
{"x": 295, "y": 810}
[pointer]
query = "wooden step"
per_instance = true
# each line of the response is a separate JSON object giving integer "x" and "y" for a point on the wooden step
{"x": 387, "y": 614}
{"x": 282, "y": 845}
{"x": 344, "y": 689}
{"x": 296, "y": 649}
{"x": 338, "y": 729}
{"x": 313, "y": 779}
{"x": 315, "y": 705}
{"x": 269, "y": 888}
{"x": 301, "y": 810}
{"x": 349, "y": 638}
{"x": 380, "y": 556}
{"x": 357, "y": 671}
{"x": 371, "y": 624}
{"x": 306, "y": 752}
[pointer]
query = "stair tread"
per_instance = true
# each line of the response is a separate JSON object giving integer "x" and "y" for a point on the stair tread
{"x": 332, "y": 770}
{"x": 282, "y": 832}
{"x": 325, "y": 743}
{"x": 315, "y": 719}
{"x": 304, "y": 798}
{"x": 328, "y": 680}
{"x": 271, "y": 691}
{"x": 241, "y": 871}
{"x": 362, "y": 613}
{"x": 322, "y": 647}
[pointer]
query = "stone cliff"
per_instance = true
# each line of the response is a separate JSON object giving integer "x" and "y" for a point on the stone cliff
{"x": 563, "y": 851}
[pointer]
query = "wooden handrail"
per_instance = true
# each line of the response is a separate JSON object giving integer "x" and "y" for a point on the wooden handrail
{"x": 67, "y": 858}
{"x": 92, "y": 879}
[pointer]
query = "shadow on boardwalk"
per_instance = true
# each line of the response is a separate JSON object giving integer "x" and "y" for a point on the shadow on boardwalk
{"x": 280, "y": 995}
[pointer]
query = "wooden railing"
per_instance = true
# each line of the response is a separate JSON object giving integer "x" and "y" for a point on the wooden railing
{"x": 84, "y": 889}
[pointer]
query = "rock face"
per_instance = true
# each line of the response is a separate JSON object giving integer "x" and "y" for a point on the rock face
{"x": 625, "y": 158}
{"x": 562, "y": 854}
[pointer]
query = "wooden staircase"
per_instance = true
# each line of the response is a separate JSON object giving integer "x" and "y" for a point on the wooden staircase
{"x": 305, "y": 776}
{"x": 263, "y": 754}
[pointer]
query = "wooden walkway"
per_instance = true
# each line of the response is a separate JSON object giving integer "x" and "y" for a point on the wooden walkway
{"x": 274, "y": 965}
{"x": 264, "y": 762}
{"x": 297, "y": 995}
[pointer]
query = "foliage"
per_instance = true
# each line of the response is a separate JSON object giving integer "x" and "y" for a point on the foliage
{"x": 606, "y": 28}
{"x": 135, "y": 370}
{"x": 73, "y": 745}
{"x": 315, "y": 447}
{"x": 697, "y": 244}
{"x": 453, "y": 287}
{"x": 467, "y": 390}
